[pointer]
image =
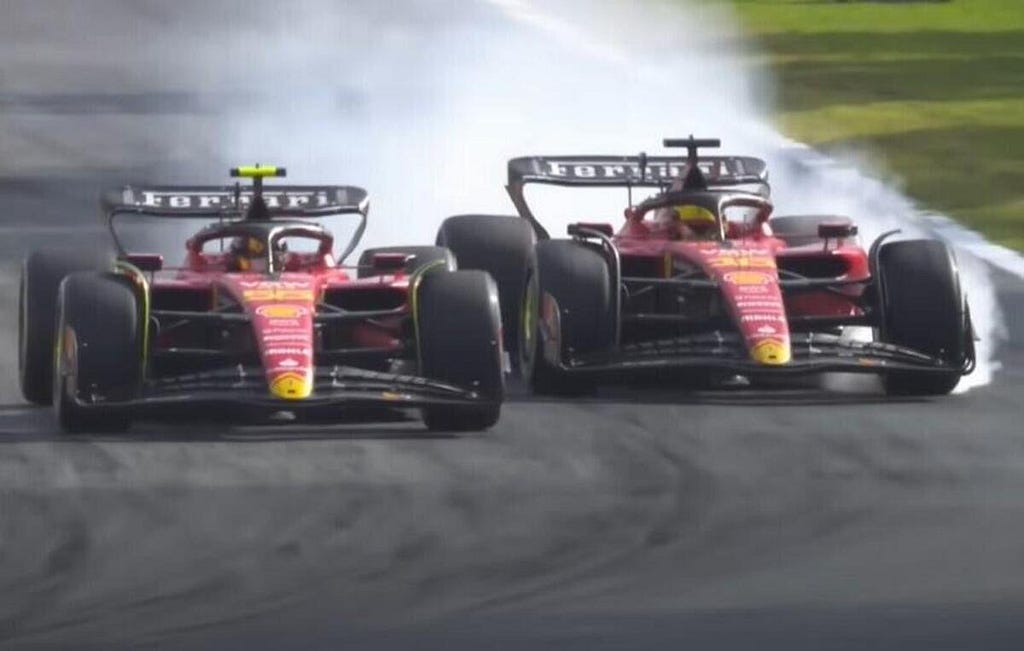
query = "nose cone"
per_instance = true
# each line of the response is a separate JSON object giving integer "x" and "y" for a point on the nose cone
{"x": 749, "y": 281}
{"x": 282, "y": 321}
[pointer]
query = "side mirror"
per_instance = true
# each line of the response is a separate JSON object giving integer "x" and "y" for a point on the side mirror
{"x": 390, "y": 261}
{"x": 577, "y": 229}
{"x": 146, "y": 261}
{"x": 836, "y": 230}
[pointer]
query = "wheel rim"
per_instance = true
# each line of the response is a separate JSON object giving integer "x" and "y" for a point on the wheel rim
{"x": 58, "y": 378}
{"x": 65, "y": 366}
{"x": 529, "y": 324}
{"x": 22, "y": 329}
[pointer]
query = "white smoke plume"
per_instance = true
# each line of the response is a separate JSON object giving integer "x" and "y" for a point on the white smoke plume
{"x": 423, "y": 101}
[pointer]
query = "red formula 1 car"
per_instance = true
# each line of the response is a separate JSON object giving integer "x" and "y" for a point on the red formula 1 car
{"x": 701, "y": 280}
{"x": 259, "y": 318}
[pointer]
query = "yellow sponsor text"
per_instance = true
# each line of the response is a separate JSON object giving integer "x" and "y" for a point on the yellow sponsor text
{"x": 747, "y": 278}
{"x": 277, "y": 294}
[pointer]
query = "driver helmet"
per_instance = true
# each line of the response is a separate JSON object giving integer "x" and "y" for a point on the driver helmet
{"x": 695, "y": 221}
{"x": 250, "y": 253}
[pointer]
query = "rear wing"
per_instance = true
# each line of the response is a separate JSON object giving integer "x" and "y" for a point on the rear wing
{"x": 233, "y": 200}
{"x": 626, "y": 172}
{"x": 636, "y": 171}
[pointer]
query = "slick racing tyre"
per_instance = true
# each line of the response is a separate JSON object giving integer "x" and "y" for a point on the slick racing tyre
{"x": 99, "y": 347}
{"x": 41, "y": 274}
{"x": 576, "y": 278}
{"x": 459, "y": 328}
{"x": 420, "y": 257}
{"x": 501, "y": 246}
{"x": 925, "y": 310}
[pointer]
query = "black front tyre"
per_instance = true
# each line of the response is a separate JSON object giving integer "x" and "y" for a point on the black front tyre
{"x": 573, "y": 278}
{"x": 500, "y": 245}
{"x": 99, "y": 347}
{"x": 925, "y": 310}
{"x": 459, "y": 328}
{"x": 41, "y": 274}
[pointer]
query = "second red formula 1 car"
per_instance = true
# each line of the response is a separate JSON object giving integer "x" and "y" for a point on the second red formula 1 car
{"x": 702, "y": 280}
{"x": 258, "y": 318}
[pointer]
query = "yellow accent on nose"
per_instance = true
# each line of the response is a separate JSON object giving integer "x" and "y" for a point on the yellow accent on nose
{"x": 771, "y": 353}
{"x": 291, "y": 386}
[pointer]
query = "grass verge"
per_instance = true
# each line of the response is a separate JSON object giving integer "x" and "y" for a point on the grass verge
{"x": 932, "y": 90}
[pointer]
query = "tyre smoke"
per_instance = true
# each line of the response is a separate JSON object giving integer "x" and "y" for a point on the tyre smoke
{"x": 422, "y": 102}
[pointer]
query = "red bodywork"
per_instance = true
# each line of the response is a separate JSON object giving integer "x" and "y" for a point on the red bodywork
{"x": 703, "y": 277}
{"x": 278, "y": 331}
{"x": 745, "y": 267}
{"x": 261, "y": 316}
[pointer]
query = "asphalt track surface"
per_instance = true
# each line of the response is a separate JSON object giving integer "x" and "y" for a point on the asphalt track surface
{"x": 774, "y": 518}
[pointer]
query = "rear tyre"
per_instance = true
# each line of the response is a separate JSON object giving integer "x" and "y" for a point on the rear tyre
{"x": 459, "y": 329}
{"x": 925, "y": 310}
{"x": 421, "y": 256}
{"x": 99, "y": 339}
{"x": 41, "y": 274}
{"x": 576, "y": 277}
{"x": 501, "y": 246}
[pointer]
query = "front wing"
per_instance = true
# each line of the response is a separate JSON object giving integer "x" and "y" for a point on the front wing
{"x": 337, "y": 387}
{"x": 811, "y": 353}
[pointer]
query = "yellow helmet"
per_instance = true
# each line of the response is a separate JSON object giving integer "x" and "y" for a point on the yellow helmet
{"x": 696, "y": 222}
{"x": 254, "y": 246}
{"x": 695, "y": 216}
{"x": 246, "y": 250}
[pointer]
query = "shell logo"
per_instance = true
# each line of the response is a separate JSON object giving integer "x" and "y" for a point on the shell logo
{"x": 771, "y": 352}
{"x": 747, "y": 278}
{"x": 729, "y": 259}
{"x": 291, "y": 386}
{"x": 277, "y": 294}
{"x": 281, "y": 311}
